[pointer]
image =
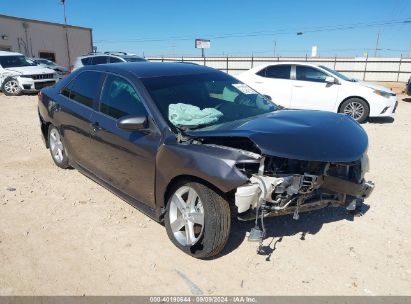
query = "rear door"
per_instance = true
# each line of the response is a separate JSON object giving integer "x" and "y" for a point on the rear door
{"x": 124, "y": 159}
{"x": 310, "y": 91}
{"x": 76, "y": 108}
{"x": 275, "y": 82}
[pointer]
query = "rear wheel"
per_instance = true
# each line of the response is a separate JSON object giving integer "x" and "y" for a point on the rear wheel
{"x": 356, "y": 108}
{"x": 11, "y": 87}
{"x": 57, "y": 149}
{"x": 197, "y": 219}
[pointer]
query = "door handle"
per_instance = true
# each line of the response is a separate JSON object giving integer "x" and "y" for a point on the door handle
{"x": 95, "y": 127}
{"x": 259, "y": 82}
{"x": 298, "y": 86}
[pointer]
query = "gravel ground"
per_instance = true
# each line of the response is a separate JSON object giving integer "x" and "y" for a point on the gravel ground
{"x": 62, "y": 234}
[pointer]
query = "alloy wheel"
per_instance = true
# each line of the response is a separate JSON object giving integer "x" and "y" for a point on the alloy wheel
{"x": 11, "y": 87}
{"x": 355, "y": 110}
{"x": 56, "y": 146}
{"x": 186, "y": 215}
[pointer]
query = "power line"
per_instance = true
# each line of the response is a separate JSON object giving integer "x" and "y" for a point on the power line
{"x": 328, "y": 28}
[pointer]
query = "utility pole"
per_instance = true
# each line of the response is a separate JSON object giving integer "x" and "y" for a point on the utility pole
{"x": 63, "y": 2}
{"x": 376, "y": 45}
{"x": 275, "y": 46}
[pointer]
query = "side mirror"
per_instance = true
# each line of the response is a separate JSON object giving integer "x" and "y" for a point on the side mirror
{"x": 330, "y": 80}
{"x": 134, "y": 123}
{"x": 268, "y": 97}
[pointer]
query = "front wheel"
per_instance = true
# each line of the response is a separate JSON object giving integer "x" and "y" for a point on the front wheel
{"x": 197, "y": 219}
{"x": 356, "y": 108}
{"x": 11, "y": 87}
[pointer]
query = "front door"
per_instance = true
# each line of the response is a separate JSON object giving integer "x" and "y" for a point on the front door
{"x": 124, "y": 159}
{"x": 310, "y": 91}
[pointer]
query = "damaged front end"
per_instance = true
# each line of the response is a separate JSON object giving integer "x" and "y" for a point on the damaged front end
{"x": 279, "y": 186}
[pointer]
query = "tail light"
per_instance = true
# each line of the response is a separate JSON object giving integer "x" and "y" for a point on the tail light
{"x": 40, "y": 95}
{"x": 71, "y": 68}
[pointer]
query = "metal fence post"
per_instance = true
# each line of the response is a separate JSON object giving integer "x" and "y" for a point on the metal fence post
{"x": 335, "y": 62}
{"x": 162, "y": 59}
{"x": 252, "y": 60}
{"x": 182, "y": 58}
{"x": 227, "y": 64}
{"x": 365, "y": 68}
{"x": 399, "y": 69}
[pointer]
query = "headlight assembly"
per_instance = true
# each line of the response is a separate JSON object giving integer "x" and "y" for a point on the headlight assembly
{"x": 382, "y": 93}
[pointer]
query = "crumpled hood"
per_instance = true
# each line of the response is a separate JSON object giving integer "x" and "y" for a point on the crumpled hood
{"x": 303, "y": 135}
{"x": 374, "y": 86}
{"x": 30, "y": 70}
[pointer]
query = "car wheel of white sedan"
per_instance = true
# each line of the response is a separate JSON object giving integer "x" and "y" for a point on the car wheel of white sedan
{"x": 357, "y": 108}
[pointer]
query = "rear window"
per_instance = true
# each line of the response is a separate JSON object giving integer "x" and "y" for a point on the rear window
{"x": 134, "y": 59}
{"x": 99, "y": 60}
{"x": 86, "y": 61}
{"x": 84, "y": 88}
{"x": 115, "y": 59}
{"x": 276, "y": 71}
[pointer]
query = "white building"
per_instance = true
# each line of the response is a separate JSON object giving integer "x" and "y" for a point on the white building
{"x": 35, "y": 38}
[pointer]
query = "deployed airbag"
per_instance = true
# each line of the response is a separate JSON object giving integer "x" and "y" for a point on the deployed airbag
{"x": 182, "y": 114}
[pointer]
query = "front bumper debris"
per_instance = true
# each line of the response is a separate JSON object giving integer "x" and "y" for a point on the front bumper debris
{"x": 307, "y": 193}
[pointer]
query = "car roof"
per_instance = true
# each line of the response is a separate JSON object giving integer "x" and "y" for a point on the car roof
{"x": 264, "y": 65}
{"x": 5, "y": 53}
{"x": 152, "y": 69}
{"x": 115, "y": 54}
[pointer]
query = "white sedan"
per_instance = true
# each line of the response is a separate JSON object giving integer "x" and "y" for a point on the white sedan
{"x": 307, "y": 86}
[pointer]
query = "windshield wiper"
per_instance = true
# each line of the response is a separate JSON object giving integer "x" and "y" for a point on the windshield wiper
{"x": 200, "y": 126}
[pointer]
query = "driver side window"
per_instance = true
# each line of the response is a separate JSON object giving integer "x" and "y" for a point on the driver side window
{"x": 119, "y": 98}
{"x": 307, "y": 73}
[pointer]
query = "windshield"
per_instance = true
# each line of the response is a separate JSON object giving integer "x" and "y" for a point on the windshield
{"x": 15, "y": 61}
{"x": 201, "y": 100}
{"x": 342, "y": 76}
{"x": 134, "y": 59}
{"x": 44, "y": 61}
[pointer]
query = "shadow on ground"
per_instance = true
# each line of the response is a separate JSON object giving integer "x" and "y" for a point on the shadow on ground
{"x": 407, "y": 99}
{"x": 380, "y": 120}
{"x": 283, "y": 226}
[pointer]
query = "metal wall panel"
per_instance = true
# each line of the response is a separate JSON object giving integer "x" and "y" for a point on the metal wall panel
{"x": 372, "y": 69}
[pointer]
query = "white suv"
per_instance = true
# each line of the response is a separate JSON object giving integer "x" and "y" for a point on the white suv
{"x": 19, "y": 75}
{"x": 107, "y": 57}
{"x": 306, "y": 86}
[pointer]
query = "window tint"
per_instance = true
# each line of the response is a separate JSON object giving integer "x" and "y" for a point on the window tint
{"x": 86, "y": 61}
{"x": 276, "y": 71}
{"x": 48, "y": 55}
{"x": 115, "y": 59}
{"x": 84, "y": 89}
{"x": 99, "y": 60}
{"x": 310, "y": 74}
{"x": 120, "y": 99}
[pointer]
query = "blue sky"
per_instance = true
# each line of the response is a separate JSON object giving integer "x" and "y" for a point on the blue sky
{"x": 248, "y": 27}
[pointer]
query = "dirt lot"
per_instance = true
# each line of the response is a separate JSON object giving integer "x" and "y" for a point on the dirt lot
{"x": 62, "y": 234}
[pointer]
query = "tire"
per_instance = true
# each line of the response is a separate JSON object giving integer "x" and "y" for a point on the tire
{"x": 357, "y": 108}
{"x": 10, "y": 87}
{"x": 57, "y": 148}
{"x": 207, "y": 240}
